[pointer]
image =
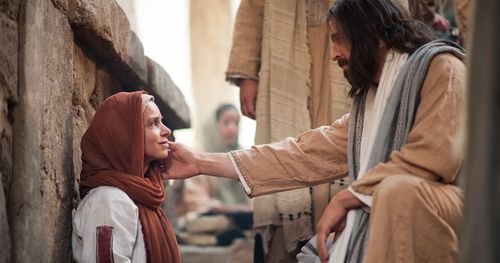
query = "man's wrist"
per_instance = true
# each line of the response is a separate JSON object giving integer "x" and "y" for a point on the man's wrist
{"x": 236, "y": 78}
{"x": 199, "y": 160}
{"x": 348, "y": 200}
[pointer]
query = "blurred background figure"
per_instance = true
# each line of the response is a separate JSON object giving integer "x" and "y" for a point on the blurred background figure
{"x": 448, "y": 18}
{"x": 227, "y": 127}
{"x": 227, "y": 122}
{"x": 214, "y": 211}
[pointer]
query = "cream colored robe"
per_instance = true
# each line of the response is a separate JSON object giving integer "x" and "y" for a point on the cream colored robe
{"x": 286, "y": 49}
{"x": 320, "y": 155}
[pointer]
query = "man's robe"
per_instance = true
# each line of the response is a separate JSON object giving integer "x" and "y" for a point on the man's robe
{"x": 429, "y": 157}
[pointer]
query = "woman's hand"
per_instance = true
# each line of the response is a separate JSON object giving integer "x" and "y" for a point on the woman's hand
{"x": 181, "y": 163}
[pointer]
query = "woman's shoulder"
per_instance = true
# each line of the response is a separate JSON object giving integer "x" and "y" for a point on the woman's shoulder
{"x": 102, "y": 209}
{"x": 107, "y": 199}
{"x": 107, "y": 192}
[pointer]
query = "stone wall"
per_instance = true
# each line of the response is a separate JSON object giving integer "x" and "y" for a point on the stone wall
{"x": 8, "y": 97}
{"x": 58, "y": 60}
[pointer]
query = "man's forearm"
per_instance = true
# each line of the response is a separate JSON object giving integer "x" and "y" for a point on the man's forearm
{"x": 216, "y": 164}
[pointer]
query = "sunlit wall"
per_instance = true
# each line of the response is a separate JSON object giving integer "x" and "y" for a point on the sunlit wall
{"x": 163, "y": 26}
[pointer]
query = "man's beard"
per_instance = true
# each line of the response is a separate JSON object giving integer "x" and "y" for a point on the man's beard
{"x": 343, "y": 62}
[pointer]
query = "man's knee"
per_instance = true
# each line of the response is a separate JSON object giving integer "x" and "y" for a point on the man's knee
{"x": 398, "y": 188}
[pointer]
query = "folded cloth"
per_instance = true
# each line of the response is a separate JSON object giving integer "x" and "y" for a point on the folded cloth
{"x": 309, "y": 253}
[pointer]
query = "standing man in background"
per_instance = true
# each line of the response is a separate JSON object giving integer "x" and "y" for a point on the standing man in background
{"x": 280, "y": 61}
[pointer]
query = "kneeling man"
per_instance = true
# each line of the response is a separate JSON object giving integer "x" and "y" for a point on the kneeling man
{"x": 397, "y": 143}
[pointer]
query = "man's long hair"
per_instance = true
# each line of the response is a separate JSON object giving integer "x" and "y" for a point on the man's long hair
{"x": 364, "y": 23}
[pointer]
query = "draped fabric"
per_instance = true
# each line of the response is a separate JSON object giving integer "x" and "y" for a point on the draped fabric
{"x": 393, "y": 129}
{"x": 113, "y": 155}
{"x": 285, "y": 46}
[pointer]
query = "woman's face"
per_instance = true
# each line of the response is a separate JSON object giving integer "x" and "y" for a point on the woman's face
{"x": 155, "y": 134}
{"x": 228, "y": 126}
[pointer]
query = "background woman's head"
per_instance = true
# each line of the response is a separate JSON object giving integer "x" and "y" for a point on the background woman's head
{"x": 228, "y": 121}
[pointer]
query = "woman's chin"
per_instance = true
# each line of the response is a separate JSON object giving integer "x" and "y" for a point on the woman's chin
{"x": 159, "y": 156}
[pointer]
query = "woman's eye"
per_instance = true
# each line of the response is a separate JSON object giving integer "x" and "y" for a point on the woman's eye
{"x": 154, "y": 124}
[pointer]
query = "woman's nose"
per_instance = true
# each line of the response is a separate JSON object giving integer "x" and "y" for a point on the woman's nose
{"x": 165, "y": 130}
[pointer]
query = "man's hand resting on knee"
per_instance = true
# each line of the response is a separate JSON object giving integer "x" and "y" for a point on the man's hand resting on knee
{"x": 334, "y": 220}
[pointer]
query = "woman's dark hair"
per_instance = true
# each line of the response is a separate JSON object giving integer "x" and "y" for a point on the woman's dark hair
{"x": 363, "y": 23}
{"x": 222, "y": 108}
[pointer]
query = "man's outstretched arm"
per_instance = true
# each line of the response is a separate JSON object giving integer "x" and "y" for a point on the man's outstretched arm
{"x": 184, "y": 163}
{"x": 315, "y": 157}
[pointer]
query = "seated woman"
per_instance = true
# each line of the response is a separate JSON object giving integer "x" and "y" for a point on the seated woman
{"x": 202, "y": 194}
{"x": 205, "y": 198}
{"x": 119, "y": 218}
{"x": 228, "y": 191}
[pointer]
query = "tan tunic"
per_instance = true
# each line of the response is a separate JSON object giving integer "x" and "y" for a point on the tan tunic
{"x": 462, "y": 16}
{"x": 320, "y": 155}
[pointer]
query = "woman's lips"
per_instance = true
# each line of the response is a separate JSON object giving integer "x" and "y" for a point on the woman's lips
{"x": 164, "y": 143}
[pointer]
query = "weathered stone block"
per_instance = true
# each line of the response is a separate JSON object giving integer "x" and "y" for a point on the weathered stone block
{"x": 103, "y": 27}
{"x": 40, "y": 202}
{"x": 136, "y": 59}
{"x": 84, "y": 75}
{"x": 8, "y": 91}
{"x": 168, "y": 97}
{"x": 106, "y": 84}
{"x": 8, "y": 56}
{"x": 10, "y": 8}
{"x": 8, "y": 95}
{"x": 100, "y": 22}
{"x": 5, "y": 144}
{"x": 4, "y": 228}
{"x": 5, "y": 176}
{"x": 62, "y": 5}
{"x": 80, "y": 125}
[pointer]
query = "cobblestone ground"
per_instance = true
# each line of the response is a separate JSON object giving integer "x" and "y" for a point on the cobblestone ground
{"x": 240, "y": 251}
